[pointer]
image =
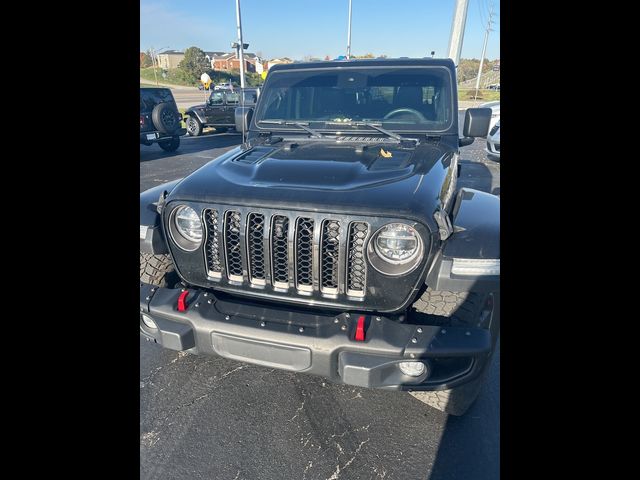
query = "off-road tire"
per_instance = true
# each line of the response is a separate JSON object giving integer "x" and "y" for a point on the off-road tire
{"x": 170, "y": 145}
{"x": 194, "y": 127}
{"x": 166, "y": 118}
{"x": 457, "y": 309}
{"x": 157, "y": 270}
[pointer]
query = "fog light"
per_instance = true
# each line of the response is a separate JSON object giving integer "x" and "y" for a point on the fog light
{"x": 413, "y": 369}
{"x": 148, "y": 321}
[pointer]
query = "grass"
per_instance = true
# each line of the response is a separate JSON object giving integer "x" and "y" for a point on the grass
{"x": 484, "y": 95}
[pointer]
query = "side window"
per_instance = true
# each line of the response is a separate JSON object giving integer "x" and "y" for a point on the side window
{"x": 232, "y": 98}
{"x": 216, "y": 98}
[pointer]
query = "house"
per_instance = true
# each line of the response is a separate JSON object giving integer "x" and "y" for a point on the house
{"x": 277, "y": 61}
{"x": 227, "y": 62}
{"x": 169, "y": 59}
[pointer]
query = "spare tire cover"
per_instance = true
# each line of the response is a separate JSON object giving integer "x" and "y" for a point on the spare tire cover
{"x": 166, "y": 118}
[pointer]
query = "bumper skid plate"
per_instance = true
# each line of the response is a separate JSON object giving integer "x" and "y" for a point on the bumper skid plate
{"x": 316, "y": 342}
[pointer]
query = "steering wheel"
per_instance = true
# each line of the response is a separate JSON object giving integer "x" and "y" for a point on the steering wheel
{"x": 413, "y": 112}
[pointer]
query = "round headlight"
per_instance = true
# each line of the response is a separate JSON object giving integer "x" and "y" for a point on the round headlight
{"x": 396, "y": 249}
{"x": 397, "y": 243}
{"x": 186, "y": 227}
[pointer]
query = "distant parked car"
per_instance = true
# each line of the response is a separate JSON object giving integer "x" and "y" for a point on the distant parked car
{"x": 223, "y": 86}
{"x": 495, "y": 112}
{"x": 219, "y": 111}
{"x": 494, "y": 86}
{"x": 160, "y": 119}
{"x": 493, "y": 142}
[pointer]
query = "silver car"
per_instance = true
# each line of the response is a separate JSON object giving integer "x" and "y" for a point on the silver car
{"x": 493, "y": 141}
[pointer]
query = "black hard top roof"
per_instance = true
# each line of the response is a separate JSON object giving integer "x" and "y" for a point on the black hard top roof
{"x": 373, "y": 62}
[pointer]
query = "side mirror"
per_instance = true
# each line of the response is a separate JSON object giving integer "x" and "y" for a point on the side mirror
{"x": 243, "y": 118}
{"x": 476, "y": 122}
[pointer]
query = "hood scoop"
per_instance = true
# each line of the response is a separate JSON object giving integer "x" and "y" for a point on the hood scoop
{"x": 254, "y": 155}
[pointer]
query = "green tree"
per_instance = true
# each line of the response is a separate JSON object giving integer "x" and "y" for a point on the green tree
{"x": 194, "y": 64}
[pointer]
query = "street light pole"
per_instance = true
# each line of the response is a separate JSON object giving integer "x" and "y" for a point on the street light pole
{"x": 349, "y": 34}
{"x": 457, "y": 30}
{"x": 240, "y": 45}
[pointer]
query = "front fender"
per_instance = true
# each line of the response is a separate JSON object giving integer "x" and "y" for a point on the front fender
{"x": 476, "y": 235}
{"x": 197, "y": 113}
{"x": 151, "y": 237}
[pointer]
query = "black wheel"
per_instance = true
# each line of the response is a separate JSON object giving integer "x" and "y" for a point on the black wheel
{"x": 166, "y": 118}
{"x": 458, "y": 309}
{"x": 157, "y": 270}
{"x": 170, "y": 145}
{"x": 194, "y": 127}
{"x": 221, "y": 129}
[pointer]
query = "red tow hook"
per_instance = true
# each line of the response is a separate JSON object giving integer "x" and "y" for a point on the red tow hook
{"x": 360, "y": 329}
{"x": 182, "y": 301}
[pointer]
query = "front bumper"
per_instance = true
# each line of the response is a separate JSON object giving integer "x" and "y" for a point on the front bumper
{"x": 315, "y": 342}
{"x": 493, "y": 148}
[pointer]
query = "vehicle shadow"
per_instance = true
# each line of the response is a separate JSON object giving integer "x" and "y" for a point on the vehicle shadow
{"x": 470, "y": 445}
{"x": 191, "y": 145}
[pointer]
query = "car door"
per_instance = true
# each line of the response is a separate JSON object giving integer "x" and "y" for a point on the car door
{"x": 231, "y": 102}
{"x": 214, "y": 110}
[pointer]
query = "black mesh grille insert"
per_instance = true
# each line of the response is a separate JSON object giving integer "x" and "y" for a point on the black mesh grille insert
{"x": 264, "y": 250}
{"x": 255, "y": 233}
{"x": 356, "y": 266}
{"x": 329, "y": 255}
{"x": 212, "y": 249}
{"x": 279, "y": 249}
{"x": 304, "y": 253}
{"x": 232, "y": 244}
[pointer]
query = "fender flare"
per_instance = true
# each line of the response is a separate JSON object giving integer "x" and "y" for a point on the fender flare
{"x": 476, "y": 235}
{"x": 151, "y": 237}
{"x": 197, "y": 113}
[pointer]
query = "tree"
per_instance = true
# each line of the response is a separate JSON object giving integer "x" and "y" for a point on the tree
{"x": 194, "y": 64}
{"x": 145, "y": 59}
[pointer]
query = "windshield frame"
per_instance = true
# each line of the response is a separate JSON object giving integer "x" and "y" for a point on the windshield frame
{"x": 318, "y": 124}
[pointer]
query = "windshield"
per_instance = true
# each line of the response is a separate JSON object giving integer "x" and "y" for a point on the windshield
{"x": 398, "y": 98}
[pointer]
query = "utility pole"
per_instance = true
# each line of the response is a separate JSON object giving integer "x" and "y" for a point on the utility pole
{"x": 240, "y": 44}
{"x": 349, "y": 34}
{"x": 484, "y": 50}
{"x": 457, "y": 30}
{"x": 153, "y": 64}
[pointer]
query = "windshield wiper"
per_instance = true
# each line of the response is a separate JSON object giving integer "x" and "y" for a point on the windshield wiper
{"x": 378, "y": 127}
{"x": 304, "y": 126}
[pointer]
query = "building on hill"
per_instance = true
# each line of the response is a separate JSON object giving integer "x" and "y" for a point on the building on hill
{"x": 169, "y": 59}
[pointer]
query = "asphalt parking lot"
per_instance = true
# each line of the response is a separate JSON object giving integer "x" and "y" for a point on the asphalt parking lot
{"x": 213, "y": 418}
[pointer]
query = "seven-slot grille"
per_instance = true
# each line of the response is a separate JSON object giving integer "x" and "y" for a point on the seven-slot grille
{"x": 283, "y": 251}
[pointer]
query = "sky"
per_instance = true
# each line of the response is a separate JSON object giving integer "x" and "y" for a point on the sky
{"x": 299, "y": 28}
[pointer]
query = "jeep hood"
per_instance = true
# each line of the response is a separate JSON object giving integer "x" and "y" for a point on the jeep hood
{"x": 345, "y": 177}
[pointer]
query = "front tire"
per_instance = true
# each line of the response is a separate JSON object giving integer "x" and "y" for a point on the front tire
{"x": 194, "y": 127}
{"x": 170, "y": 145}
{"x": 458, "y": 309}
{"x": 157, "y": 270}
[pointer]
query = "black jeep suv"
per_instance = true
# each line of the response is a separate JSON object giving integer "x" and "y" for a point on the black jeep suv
{"x": 160, "y": 119}
{"x": 335, "y": 240}
{"x": 219, "y": 111}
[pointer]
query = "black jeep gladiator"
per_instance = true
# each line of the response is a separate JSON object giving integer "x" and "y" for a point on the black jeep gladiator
{"x": 219, "y": 111}
{"x": 335, "y": 241}
{"x": 160, "y": 119}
